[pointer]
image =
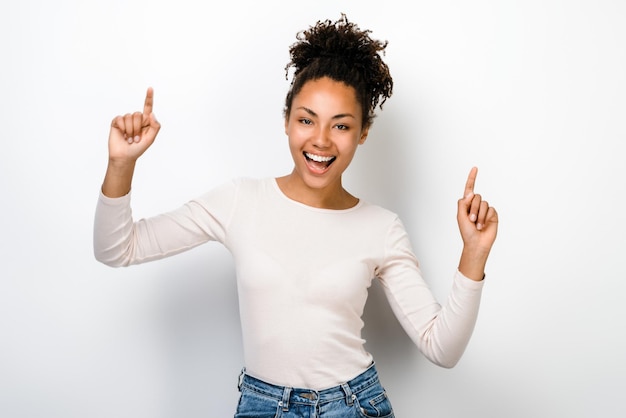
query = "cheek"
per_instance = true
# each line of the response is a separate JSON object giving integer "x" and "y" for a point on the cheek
{"x": 350, "y": 147}
{"x": 296, "y": 136}
{"x": 295, "y": 143}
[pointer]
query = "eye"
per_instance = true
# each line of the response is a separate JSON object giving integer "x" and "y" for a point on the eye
{"x": 342, "y": 127}
{"x": 305, "y": 121}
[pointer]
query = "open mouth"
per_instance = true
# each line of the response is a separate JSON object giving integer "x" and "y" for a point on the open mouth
{"x": 319, "y": 162}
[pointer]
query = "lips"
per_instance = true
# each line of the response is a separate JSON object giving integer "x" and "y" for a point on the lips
{"x": 319, "y": 162}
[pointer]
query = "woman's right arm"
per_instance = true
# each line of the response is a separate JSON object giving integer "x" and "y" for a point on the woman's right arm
{"x": 130, "y": 136}
{"x": 119, "y": 240}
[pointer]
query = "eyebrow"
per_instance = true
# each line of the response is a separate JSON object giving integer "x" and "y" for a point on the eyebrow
{"x": 339, "y": 116}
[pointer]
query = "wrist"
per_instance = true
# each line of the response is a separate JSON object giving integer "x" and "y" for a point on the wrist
{"x": 472, "y": 263}
{"x": 118, "y": 179}
{"x": 477, "y": 254}
{"x": 121, "y": 164}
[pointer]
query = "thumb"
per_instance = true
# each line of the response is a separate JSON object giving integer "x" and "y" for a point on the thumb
{"x": 466, "y": 201}
{"x": 464, "y": 206}
{"x": 152, "y": 125}
{"x": 153, "y": 121}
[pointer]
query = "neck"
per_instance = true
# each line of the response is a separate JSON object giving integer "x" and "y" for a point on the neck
{"x": 330, "y": 197}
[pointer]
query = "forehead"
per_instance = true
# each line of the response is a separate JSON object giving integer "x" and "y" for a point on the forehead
{"x": 325, "y": 94}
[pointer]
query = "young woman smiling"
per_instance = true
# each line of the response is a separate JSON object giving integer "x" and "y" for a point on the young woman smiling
{"x": 324, "y": 128}
{"x": 289, "y": 272}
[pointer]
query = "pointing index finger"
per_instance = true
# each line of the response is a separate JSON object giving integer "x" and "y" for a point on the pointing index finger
{"x": 147, "y": 106}
{"x": 471, "y": 180}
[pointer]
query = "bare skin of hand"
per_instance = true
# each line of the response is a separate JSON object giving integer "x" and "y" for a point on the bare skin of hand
{"x": 130, "y": 136}
{"x": 478, "y": 224}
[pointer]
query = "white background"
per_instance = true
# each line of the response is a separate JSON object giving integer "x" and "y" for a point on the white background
{"x": 531, "y": 92}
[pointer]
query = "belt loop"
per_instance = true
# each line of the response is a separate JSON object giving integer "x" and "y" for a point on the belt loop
{"x": 349, "y": 395}
{"x": 285, "y": 401}
{"x": 240, "y": 380}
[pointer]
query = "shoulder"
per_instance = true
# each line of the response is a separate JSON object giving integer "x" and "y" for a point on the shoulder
{"x": 378, "y": 212}
{"x": 229, "y": 196}
{"x": 388, "y": 220}
{"x": 250, "y": 187}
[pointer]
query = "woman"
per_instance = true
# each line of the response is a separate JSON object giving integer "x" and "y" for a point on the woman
{"x": 305, "y": 249}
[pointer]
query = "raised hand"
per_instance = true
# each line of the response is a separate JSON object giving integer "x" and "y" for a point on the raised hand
{"x": 129, "y": 138}
{"x": 133, "y": 133}
{"x": 478, "y": 224}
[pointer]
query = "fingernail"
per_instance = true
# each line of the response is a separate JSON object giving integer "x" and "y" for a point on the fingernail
{"x": 130, "y": 140}
{"x": 137, "y": 138}
{"x": 479, "y": 226}
{"x": 473, "y": 217}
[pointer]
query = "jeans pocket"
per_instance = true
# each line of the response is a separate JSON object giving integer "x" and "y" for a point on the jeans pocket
{"x": 253, "y": 404}
{"x": 374, "y": 403}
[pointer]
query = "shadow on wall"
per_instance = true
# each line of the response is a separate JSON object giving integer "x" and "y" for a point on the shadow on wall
{"x": 385, "y": 337}
{"x": 381, "y": 174}
{"x": 381, "y": 171}
{"x": 199, "y": 319}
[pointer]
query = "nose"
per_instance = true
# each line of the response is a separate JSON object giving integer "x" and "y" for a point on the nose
{"x": 321, "y": 138}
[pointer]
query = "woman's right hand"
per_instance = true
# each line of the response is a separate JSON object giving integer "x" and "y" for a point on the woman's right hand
{"x": 133, "y": 133}
{"x": 130, "y": 137}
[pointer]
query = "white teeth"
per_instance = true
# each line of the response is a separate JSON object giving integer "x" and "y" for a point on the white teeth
{"x": 318, "y": 158}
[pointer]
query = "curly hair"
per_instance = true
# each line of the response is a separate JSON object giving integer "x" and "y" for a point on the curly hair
{"x": 343, "y": 52}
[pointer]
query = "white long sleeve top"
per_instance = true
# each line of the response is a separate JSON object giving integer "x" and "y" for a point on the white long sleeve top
{"x": 303, "y": 275}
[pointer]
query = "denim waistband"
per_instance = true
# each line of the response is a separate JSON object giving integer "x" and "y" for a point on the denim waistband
{"x": 287, "y": 395}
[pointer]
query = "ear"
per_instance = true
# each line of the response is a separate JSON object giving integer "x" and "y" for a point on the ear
{"x": 364, "y": 133}
{"x": 286, "y": 125}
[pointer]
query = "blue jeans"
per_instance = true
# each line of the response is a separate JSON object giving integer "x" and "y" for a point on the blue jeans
{"x": 361, "y": 397}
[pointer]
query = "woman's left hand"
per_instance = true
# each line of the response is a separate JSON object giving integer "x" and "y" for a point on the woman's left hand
{"x": 478, "y": 222}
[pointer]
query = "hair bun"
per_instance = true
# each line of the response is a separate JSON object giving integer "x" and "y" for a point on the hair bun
{"x": 341, "y": 40}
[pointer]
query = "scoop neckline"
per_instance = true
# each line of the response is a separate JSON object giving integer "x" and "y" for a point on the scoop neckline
{"x": 278, "y": 190}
